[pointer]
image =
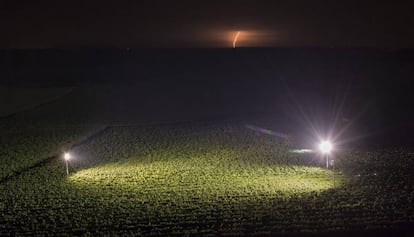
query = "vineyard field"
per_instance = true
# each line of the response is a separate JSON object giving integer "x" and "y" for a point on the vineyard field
{"x": 208, "y": 179}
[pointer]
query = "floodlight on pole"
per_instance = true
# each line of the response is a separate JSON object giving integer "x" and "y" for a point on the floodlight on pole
{"x": 326, "y": 147}
{"x": 67, "y": 157}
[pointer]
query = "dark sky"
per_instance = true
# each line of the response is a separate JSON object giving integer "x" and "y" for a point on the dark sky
{"x": 205, "y": 23}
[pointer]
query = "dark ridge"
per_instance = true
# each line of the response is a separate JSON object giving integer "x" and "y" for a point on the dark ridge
{"x": 54, "y": 100}
{"x": 51, "y": 67}
{"x": 371, "y": 86}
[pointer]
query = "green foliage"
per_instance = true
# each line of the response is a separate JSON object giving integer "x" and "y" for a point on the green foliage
{"x": 23, "y": 147}
{"x": 211, "y": 179}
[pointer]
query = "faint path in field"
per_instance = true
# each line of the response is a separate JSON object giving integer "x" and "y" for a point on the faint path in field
{"x": 50, "y": 158}
{"x": 9, "y": 112}
{"x": 91, "y": 137}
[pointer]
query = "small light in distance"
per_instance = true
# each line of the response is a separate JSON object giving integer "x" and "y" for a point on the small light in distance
{"x": 67, "y": 156}
{"x": 325, "y": 147}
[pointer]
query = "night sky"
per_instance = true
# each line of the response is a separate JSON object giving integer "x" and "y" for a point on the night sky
{"x": 201, "y": 23}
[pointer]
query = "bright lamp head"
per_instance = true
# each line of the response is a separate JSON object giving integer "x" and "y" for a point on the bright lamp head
{"x": 67, "y": 156}
{"x": 325, "y": 147}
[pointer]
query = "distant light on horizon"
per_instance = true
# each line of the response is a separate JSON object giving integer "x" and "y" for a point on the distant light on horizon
{"x": 235, "y": 39}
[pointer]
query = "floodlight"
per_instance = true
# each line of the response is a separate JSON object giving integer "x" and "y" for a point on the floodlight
{"x": 67, "y": 156}
{"x": 325, "y": 147}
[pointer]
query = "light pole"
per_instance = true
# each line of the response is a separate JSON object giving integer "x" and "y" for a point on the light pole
{"x": 333, "y": 172}
{"x": 67, "y": 157}
{"x": 326, "y": 147}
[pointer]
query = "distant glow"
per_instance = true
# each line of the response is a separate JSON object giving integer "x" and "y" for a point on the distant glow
{"x": 235, "y": 39}
{"x": 67, "y": 156}
{"x": 325, "y": 147}
{"x": 301, "y": 151}
{"x": 248, "y": 37}
{"x": 260, "y": 130}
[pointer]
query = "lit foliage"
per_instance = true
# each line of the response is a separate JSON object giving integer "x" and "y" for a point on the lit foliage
{"x": 202, "y": 180}
{"x": 210, "y": 177}
{"x": 21, "y": 147}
